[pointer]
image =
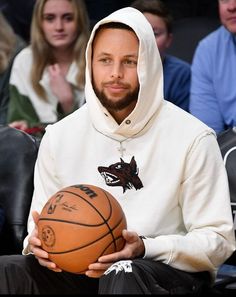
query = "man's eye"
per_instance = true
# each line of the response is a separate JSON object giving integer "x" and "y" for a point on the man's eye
{"x": 159, "y": 33}
{"x": 105, "y": 60}
{"x": 130, "y": 62}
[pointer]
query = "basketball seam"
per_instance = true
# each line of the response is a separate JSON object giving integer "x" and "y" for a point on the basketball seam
{"x": 100, "y": 214}
{"x": 91, "y": 242}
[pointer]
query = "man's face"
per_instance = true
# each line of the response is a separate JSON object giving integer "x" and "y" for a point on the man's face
{"x": 114, "y": 69}
{"x": 227, "y": 12}
{"x": 162, "y": 36}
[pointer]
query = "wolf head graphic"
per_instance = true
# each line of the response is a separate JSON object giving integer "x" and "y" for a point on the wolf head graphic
{"x": 122, "y": 174}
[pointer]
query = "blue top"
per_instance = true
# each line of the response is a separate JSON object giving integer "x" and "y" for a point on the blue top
{"x": 177, "y": 74}
{"x": 213, "y": 87}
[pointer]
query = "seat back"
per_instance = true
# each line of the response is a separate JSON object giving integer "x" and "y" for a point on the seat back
{"x": 227, "y": 143}
{"x": 18, "y": 152}
{"x": 187, "y": 32}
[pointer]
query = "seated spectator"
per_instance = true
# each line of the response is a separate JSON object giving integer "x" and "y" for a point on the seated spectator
{"x": 176, "y": 71}
{"x": 213, "y": 92}
{"x": 47, "y": 78}
{"x": 10, "y": 45}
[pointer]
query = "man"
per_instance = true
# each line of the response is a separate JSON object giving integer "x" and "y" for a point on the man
{"x": 174, "y": 195}
{"x": 176, "y": 72}
{"x": 213, "y": 94}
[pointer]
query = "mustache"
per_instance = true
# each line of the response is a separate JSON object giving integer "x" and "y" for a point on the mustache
{"x": 117, "y": 83}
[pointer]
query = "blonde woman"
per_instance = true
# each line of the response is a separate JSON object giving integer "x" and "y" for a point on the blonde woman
{"x": 47, "y": 78}
{"x": 10, "y": 45}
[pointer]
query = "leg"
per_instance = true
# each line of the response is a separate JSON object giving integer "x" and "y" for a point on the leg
{"x": 142, "y": 276}
{"x": 24, "y": 275}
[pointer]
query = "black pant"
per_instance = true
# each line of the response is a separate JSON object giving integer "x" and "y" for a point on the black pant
{"x": 23, "y": 275}
{"x": 149, "y": 277}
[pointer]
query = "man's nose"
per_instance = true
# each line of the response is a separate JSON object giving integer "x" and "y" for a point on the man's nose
{"x": 117, "y": 70}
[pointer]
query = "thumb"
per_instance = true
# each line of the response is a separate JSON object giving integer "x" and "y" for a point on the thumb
{"x": 35, "y": 216}
{"x": 129, "y": 236}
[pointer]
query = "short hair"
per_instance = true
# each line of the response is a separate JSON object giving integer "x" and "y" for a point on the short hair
{"x": 156, "y": 7}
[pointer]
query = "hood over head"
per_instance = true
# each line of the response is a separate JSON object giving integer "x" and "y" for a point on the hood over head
{"x": 150, "y": 75}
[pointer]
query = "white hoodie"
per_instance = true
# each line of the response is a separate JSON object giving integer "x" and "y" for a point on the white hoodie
{"x": 175, "y": 192}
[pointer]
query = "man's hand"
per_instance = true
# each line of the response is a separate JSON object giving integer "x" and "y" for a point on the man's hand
{"x": 134, "y": 248}
{"x": 35, "y": 247}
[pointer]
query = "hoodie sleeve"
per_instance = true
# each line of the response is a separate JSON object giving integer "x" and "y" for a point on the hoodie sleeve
{"x": 205, "y": 203}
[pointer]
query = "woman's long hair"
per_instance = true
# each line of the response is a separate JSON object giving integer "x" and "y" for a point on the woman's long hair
{"x": 42, "y": 53}
{"x": 7, "y": 43}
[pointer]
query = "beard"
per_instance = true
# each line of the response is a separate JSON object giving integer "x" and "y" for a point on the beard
{"x": 118, "y": 105}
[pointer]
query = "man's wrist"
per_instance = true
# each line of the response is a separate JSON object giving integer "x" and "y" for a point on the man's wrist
{"x": 143, "y": 246}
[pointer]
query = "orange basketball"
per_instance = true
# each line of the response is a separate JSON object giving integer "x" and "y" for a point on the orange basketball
{"x": 79, "y": 224}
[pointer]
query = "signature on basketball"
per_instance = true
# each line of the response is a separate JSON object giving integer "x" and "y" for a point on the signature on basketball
{"x": 57, "y": 201}
{"x": 122, "y": 174}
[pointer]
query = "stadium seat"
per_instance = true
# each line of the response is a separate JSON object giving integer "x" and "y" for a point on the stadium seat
{"x": 187, "y": 32}
{"x": 18, "y": 152}
{"x": 226, "y": 278}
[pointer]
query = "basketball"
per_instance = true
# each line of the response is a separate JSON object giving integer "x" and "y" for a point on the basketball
{"x": 79, "y": 224}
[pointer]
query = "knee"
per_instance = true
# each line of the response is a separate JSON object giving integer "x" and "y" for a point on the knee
{"x": 14, "y": 263}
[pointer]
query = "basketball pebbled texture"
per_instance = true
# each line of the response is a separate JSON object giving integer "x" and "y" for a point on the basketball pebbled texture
{"x": 79, "y": 224}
